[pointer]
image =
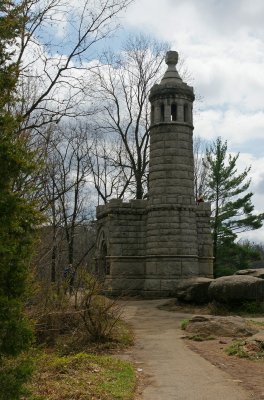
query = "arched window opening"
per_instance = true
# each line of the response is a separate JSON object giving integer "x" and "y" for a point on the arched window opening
{"x": 105, "y": 262}
{"x": 185, "y": 113}
{"x": 152, "y": 114}
{"x": 162, "y": 113}
{"x": 174, "y": 112}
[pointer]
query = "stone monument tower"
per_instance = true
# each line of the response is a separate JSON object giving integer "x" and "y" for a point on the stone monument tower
{"x": 147, "y": 246}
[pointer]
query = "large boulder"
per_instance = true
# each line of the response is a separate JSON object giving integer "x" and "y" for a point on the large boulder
{"x": 207, "y": 325}
{"x": 236, "y": 288}
{"x": 258, "y": 273}
{"x": 193, "y": 290}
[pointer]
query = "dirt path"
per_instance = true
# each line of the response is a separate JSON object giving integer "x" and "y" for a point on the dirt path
{"x": 175, "y": 372}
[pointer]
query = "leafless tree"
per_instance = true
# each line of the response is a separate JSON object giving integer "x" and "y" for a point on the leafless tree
{"x": 200, "y": 166}
{"x": 54, "y": 52}
{"x": 66, "y": 190}
{"x": 109, "y": 180}
{"x": 122, "y": 84}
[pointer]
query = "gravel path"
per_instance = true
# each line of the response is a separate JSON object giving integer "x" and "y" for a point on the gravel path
{"x": 176, "y": 373}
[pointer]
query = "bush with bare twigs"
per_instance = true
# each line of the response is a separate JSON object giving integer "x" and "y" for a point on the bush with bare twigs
{"x": 85, "y": 313}
{"x": 99, "y": 314}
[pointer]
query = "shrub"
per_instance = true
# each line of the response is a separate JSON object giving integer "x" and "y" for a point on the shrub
{"x": 99, "y": 314}
{"x": 184, "y": 324}
{"x": 87, "y": 315}
{"x": 14, "y": 373}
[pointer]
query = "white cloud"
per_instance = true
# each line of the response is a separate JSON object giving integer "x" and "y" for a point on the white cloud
{"x": 222, "y": 43}
{"x": 196, "y": 19}
{"x": 232, "y": 124}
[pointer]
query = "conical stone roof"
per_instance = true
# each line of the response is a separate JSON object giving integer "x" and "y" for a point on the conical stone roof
{"x": 171, "y": 83}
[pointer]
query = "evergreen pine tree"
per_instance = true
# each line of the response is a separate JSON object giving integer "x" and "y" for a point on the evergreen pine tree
{"x": 232, "y": 205}
{"x": 18, "y": 217}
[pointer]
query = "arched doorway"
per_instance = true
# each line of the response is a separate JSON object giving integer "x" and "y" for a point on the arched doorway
{"x": 103, "y": 264}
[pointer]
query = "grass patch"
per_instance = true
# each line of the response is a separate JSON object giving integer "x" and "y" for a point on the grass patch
{"x": 75, "y": 337}
{"x": 236, "y": 349}
{"x": 81, "y": 377}
{"x": 201, "y": 337}
{"x": 252, "y": 351}
{"x": 184, "y": 324}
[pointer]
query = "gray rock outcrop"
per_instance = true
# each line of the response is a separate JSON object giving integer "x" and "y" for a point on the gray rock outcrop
{"x": 194, "y": 290}
{"x": 230, "y": 326}
{"x": 258, "y": 272}
{"x": 236, "y": 288}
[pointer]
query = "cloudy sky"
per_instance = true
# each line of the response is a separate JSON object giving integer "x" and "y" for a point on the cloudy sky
{"x": 222, "y": 43}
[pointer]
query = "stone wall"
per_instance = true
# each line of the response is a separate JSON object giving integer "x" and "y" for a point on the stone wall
{"x": 151, "y": 248}
{"x": 123, "y": 227}
{"x": 205, "y": 248}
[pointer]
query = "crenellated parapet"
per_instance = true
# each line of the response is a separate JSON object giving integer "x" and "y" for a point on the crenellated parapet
{"x": 117, "y": 206}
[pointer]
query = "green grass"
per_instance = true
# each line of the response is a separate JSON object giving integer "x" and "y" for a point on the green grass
{"x": 184, "y": 324}
{"x": 236, "y": 349}
{"x": 71, "y": 365}
{"x": 81, "y": 377}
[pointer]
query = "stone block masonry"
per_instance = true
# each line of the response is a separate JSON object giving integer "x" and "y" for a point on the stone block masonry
{"x": 122, "y": 232}
{"x": 146, "y": 247}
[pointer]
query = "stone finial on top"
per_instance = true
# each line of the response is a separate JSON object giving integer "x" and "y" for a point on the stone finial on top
{"x": 171, "y": 57}
{"x": 171, "y": 75}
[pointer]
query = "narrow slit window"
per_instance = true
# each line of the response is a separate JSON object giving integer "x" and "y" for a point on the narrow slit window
{"x": 185, "y": 113}
{"x": 107, "y": 267}
{"x": 152, "y": 114}
{"x": 162, "y": 113}
{"x": 174, "y": 112}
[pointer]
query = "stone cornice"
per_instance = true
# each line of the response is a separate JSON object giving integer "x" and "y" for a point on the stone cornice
{"x": 171, "y": 123}
{"x": 159, "y": 256}
{"x": 120, "y": 211}
{"x": 171, "y": 89}
{"x": 108, "y": 210}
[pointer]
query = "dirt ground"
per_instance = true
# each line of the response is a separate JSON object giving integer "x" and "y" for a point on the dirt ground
{"x": 249, "y": 374}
